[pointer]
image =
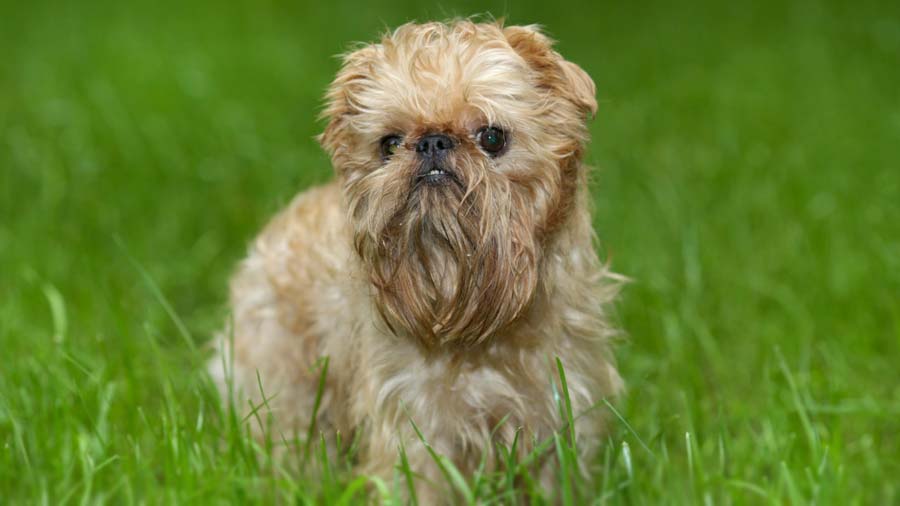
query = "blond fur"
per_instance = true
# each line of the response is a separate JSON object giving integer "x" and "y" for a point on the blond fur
{"x": 443, "y": 305}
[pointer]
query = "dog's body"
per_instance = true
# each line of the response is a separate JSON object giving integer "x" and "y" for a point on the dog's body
{"x": 444, "y": 276}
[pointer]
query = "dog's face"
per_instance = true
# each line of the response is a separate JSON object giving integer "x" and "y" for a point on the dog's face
{"x": 458, "y": 147}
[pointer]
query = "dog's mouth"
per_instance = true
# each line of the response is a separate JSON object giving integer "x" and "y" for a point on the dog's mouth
{"x": 436, "y": 175}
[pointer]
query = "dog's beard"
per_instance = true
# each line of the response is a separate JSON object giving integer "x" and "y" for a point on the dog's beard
{"x": 450, "y": 263}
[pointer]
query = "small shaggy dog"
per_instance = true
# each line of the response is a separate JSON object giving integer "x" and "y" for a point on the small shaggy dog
{"x": 445, "y": 269}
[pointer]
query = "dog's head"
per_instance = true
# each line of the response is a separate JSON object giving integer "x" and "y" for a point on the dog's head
{"x": 458, "y": 146}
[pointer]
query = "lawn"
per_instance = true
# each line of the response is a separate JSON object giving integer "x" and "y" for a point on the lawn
{"x": 747, "y": 179}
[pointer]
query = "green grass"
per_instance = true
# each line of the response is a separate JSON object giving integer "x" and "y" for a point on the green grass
{"x": 748, "y": 180}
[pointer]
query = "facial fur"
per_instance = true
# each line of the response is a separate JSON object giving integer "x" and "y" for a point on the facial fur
{"x": 455, "y": 258}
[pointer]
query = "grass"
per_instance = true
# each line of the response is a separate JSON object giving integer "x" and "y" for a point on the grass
{"x": 748, "y": 180}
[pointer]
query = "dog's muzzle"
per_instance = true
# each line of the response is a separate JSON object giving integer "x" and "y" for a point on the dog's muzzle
{"x": 432, "y": 150}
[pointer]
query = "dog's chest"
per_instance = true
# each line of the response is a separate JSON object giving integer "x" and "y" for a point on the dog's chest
{"x": 443, "y": 395}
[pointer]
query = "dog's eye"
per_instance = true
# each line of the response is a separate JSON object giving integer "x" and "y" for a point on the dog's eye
{"x": 389, "y": 145}
{"x": 492, "y": 140}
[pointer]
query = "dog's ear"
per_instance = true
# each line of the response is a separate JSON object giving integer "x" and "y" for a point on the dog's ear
{"x": 339, "y": 99}
{"x": 557, "y": 74}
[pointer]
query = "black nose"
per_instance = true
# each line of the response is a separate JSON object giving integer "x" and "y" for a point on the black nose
{"x": 434, "y": 145}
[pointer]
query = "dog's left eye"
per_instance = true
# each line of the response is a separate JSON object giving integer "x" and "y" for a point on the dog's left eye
{"x": 389, "y": 145}
{"x": 492, "y": 140}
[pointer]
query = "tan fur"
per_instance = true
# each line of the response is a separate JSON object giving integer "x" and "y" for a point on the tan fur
{"x": 444, "y": 304}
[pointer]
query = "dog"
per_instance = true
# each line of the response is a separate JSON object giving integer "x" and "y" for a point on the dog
{"x": 447, "y": 267}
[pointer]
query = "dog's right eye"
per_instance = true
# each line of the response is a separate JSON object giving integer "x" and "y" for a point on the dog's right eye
{"x": 389, "y": 145}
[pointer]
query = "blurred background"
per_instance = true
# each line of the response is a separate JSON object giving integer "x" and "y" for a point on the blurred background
{"x": 747, "y": 178}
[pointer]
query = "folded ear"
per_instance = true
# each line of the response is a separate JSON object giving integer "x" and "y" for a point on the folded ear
{"x": 583, "y": 90}
{"x": 340, "y": 97}
{"x": 557, "y": 74}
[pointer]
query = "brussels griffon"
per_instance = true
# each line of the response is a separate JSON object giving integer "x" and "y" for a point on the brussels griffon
{"x": 445, "y": 269}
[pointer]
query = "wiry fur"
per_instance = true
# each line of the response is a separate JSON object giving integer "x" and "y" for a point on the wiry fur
{"x": 444, "y": 304}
